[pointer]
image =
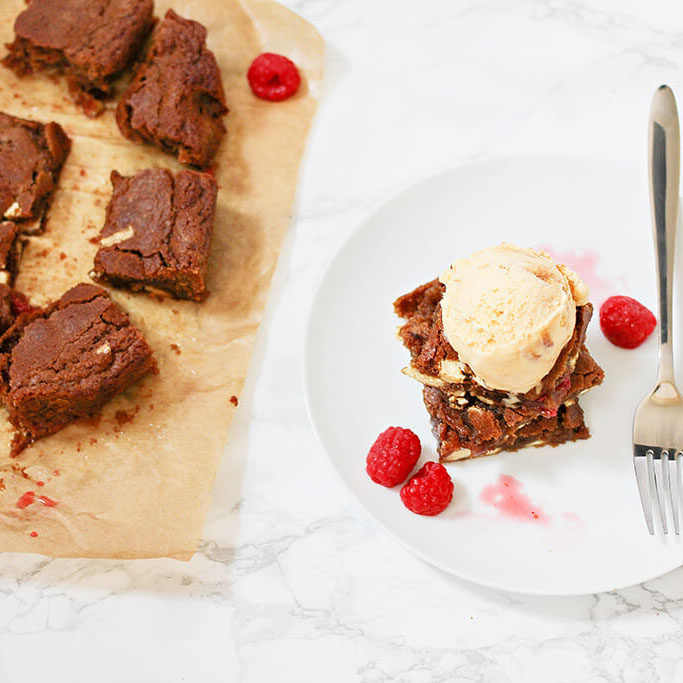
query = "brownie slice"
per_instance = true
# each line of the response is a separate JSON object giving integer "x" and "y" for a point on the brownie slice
{"x": 157, "y": 233}
{"x": 176, "y": 99}
{"x": 470, "y": 419}
{"x": 10, "y": 252}
{"x": 467, "y": 427}
{"x": 66, "y": 361}
{"x": 434, "y": 361}
{"x": 91, "y": 41}
{"x": 475, "y": 432}
{"x": 31, "y": 158}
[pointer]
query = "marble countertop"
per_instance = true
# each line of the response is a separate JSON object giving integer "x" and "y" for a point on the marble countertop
{"x": 293, "y": 581}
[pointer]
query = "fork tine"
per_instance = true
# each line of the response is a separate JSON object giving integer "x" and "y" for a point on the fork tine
{"x": 660, "y": 491}
{"x": 643, "y": 470}
{"x": 676, "y": 490}
{"x": 668, "y": 491}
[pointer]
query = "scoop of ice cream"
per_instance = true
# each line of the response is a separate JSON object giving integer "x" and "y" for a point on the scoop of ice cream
{"x": 509, "y": 312}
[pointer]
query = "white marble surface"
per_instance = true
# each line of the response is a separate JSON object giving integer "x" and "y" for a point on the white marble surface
{"x": 294, "y": 582}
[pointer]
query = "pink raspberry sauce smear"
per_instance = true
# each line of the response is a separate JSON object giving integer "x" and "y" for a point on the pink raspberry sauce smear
{"x": 507, "y": 496}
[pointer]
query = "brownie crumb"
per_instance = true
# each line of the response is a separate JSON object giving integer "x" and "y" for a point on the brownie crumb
{"x": 234, "y": 400}
{"x": 20, "y": 470}
{"x": 122, "y": 417}
{"x": 176, "y": 348}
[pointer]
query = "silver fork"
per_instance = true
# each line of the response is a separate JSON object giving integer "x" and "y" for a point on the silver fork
{"x": 658, "y": 422}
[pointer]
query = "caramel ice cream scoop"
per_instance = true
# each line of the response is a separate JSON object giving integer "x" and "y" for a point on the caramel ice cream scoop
{"x": 509, "y": 312}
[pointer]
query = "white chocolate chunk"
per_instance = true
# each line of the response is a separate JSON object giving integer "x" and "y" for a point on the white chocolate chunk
{"x": 459, "y": 454}
{"x": 14, "y": 210}
{"x": 429, "y": 380}
{"x": 118, "y": 237}
{"x": 452, "y": 371}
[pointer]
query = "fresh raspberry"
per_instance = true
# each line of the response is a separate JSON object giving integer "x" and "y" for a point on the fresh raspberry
{"x": 392, "y": 456}
{"x": 273, "y": 77}
{"x": 626, "y": 322}
{"x": 19, "y": 303}
{"x": 430, "y": 491}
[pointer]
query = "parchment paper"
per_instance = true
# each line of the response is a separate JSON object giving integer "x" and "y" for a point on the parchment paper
{"x": 141, "y": 488}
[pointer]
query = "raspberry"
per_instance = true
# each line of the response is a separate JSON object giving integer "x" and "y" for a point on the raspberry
{"x": 430, "y": 491}
{"x": 626, "y": 322}
{"x": 392, "y": 456}
{"x": 19, "y": 303}
{"x": 273, "y": 77}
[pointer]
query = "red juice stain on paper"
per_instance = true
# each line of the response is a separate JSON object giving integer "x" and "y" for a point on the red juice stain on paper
{"x": 26, "y": 499}
{"x": 584, "y": 262}
{"x": 33, "y": 534}
{"x": 47, "y": 502}
{"x": 507, "y": 497}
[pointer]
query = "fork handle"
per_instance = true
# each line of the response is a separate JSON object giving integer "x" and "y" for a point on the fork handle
{"x": 664, "y": 162}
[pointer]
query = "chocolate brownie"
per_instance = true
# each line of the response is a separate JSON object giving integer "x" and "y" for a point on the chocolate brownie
{"x": 31, "y": 158}
{"x": 6, "y": 314}
{"x": 176, "y": 98}
{"x": 471, "y": 433}
{"x": 465, "y": 426}
{"x": 10, "y": 252}
{"x": 157, "y": 232}
{"x": 67, "y": 360}
{"x": 422, "y": 334}
{"x": 91, "y": 41}
{"x": 11, "y": 247}
{"x": 470, "y": 419}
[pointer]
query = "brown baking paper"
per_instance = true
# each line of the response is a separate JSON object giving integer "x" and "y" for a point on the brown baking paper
{"x": 140, "y": 485}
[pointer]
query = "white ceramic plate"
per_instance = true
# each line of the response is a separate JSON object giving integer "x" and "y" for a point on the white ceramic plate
{"x": 590, "y": 535}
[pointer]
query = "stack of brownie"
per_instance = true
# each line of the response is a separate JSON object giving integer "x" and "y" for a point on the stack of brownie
{"x": 66, "y": 360}
{"x": 471, "y": 420}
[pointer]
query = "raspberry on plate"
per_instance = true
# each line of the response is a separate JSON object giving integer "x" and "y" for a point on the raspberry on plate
{"x": 273, "y": 77}
{"x": 393, "y": 456}
{"x": 430, "y": 491}
{"x": 626, "y": 322}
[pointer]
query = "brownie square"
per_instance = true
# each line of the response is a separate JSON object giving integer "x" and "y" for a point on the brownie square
{"x": 436, "y": 363}
{"x": 176, "y": 99}
{"x": 31, "y": 158}
{"x": 67, "y": 360}
{"x": 10, "y": 252}
{"x": 91, "y": 41}
{"x": 157, "y": 233}
{"x": 480, "y": 430}
{"x": 469, "y": 419}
